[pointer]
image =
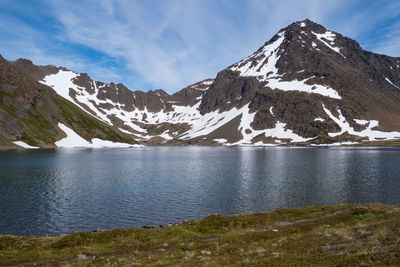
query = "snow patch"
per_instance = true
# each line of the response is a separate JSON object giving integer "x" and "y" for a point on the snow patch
{"x": 328, "y": 39}
{"x": 361, "y": 122}
{"x": 262, "y": 144}
{"x": 220, "y": 140}
{"x": 391, "y": 83}
{"x": 74, "y": 140}
{"x": 367, "y": 133}
{"x": 336, "y": 144}
{"x": 124, "y": 131}
{"x": 203, "y": 125}
{"x": 301, "y": 86}
{"x": 278, "y": 131}
{"x": 24, "y": 145}
{"x": 266, "y": 65}
{"x": 165, "y": 135}
{"x": 207, "y": 83}
{"x": 61, "y": 82}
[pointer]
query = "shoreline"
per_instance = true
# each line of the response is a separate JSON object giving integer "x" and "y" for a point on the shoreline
{"x": 374, "y": 144}
{"x": 345, "y": 234}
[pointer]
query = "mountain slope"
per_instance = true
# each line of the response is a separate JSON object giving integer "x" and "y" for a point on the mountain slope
{"x": 307, "y": 85}
{"x": 32, "y": 114}
{"x": 306, "y": 77}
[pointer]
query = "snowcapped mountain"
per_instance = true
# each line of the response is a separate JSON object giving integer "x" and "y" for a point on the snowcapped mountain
{"x": 307, "y": 85}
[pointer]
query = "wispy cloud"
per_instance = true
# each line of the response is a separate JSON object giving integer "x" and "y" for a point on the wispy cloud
{"x": 168, "y": 49}
{"x": 390, "y": 45}
{"x": 170, "y": 44}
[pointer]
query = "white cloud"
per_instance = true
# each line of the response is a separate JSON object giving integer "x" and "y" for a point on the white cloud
{"x": 30, "y": 50}
{"x": 170, "y": 44}
{"x": 175, "y": 43}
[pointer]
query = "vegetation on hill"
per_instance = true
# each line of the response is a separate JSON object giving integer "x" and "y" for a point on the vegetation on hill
{"x": 340, "y": 235}
{"x": 30, "y": 112}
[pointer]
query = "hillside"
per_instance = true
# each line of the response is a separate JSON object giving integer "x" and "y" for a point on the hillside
{"x": 34, "y": 115}
{"x": 342, "y": 235}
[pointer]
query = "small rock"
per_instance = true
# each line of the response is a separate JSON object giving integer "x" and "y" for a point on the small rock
{"x": 169, "y": 225}
{"x": 81, "y": 257}
{"x": 275, "y": 254}
{"x": 274, "y": 230}
{"x": 162, "y": 250}
{"x": 206, "y": 252}
{"x": 165, "y": 244}
{"x": 147, "y": 226}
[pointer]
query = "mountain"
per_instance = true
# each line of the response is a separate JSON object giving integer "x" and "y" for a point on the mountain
{"x": 151, "y": 117}
{"x": 34, "y": 115}
{"x": 305, "y": 86}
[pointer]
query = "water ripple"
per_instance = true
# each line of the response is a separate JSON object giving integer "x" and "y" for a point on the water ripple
{"x": 53, "y": 192}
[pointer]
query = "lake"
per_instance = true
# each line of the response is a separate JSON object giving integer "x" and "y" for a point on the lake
{"x": 49, "y": 192}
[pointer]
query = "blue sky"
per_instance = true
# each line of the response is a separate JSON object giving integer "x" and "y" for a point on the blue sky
{"x": 170, "y": 44}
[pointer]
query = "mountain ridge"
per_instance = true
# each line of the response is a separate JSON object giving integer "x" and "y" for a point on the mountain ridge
{"x": 305, "y": 86}
{"x": 31, "y": 114}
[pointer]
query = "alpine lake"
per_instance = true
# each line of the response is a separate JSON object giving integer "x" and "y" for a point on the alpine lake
{"x": 52, "y": 192}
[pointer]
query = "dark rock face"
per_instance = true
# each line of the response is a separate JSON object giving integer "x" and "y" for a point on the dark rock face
{"x": 315, "y": 82}
{"x": 84, "y": 81}
{"x": 188, "y": 96}
{"x": 10, "y": 127}
{"x": 36, "y": 72}
{"x": 229, "y": 90}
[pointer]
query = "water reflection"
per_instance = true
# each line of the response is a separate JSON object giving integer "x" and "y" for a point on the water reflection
{"x": 63, "y": 191}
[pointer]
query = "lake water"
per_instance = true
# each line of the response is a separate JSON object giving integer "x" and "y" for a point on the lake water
{"x": 63, "y": 191}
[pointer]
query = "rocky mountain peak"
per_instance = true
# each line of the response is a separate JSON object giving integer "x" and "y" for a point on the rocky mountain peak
{"x": 304, "y": 25}
{"x": 24, "y": 61}
{"x": 299, "y": 47}
{"x": 293, "y": 54}
{"x": 295, "y": 31}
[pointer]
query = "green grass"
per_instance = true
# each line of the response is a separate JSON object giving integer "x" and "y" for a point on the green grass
{"x": 35, "y": 126}
{"x": 92, "y": 126}
{"x": 341, "y": 235}
{"x": 365, "y": 216}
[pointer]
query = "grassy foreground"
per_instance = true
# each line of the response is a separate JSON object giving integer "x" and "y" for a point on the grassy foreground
{"x": 337, "y": 235}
